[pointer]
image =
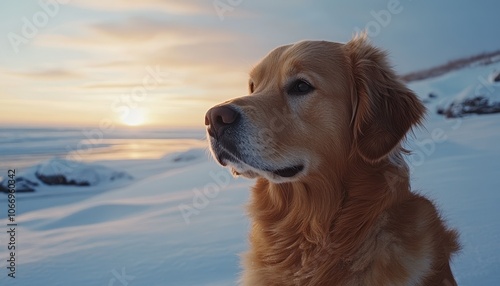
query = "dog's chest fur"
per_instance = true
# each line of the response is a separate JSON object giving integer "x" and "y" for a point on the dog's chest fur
{"x": 383, "y": 257}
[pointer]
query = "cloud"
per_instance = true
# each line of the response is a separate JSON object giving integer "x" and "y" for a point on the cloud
{"x": 48, "y": 74}
{"x": 169, "y": 6}
{"x": 135, "y": 33}
{"x": 140, "y": 28}
{"x": 110, "y": 85}
{"x": 137, "y": 42}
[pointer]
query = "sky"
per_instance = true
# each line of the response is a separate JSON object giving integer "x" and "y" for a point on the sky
{"x": 163, "y": 63}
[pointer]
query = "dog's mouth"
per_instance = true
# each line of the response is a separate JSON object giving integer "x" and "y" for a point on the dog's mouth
{"x": 227, "y": 155}
{"x": 289, "y": 171}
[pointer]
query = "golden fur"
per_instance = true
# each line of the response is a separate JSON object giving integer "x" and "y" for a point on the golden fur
{"x": 349, "y": 216}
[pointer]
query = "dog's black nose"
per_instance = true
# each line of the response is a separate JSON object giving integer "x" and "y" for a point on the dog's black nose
{"x": 219, "y": 118}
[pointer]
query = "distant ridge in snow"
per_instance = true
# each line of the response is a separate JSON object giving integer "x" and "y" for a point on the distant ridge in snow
{"x": 480, "y": 59}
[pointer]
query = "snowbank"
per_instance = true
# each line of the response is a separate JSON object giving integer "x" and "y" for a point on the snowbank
{"x": 64, "y": 172}
{"x": 472, "y": 101}
{"x": 138, "y": 230}
{"x": 61, "y": 172}
{"x": 482, "y": 97}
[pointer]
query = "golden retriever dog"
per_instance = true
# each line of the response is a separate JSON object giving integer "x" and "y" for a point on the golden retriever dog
{"x": 321, "y": 131}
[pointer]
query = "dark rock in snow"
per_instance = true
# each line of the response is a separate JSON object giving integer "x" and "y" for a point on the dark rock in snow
{"x": 469, "y": 102}
{"x": 496, "y": 78}
{"x": 59, "y": 180}
{"x": 23, "y": 185}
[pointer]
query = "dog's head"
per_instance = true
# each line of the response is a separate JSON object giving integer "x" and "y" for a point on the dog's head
{"x": 312, "y": 105}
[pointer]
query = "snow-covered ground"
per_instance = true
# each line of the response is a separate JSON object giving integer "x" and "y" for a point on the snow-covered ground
{"x": 180, "y": 219}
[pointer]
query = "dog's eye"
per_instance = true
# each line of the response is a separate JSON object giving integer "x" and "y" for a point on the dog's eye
{"x": 251, "y": 87}
{"x": 300, "y": 87}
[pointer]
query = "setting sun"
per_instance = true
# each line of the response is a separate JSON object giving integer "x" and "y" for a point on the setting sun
{"x": 135, "y": 117}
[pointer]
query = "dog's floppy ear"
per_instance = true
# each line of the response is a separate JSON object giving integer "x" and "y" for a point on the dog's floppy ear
{"x": 384, "y": 108}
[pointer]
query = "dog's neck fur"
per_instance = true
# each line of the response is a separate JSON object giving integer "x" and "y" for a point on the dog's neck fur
{"x": 346, "y": 207}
